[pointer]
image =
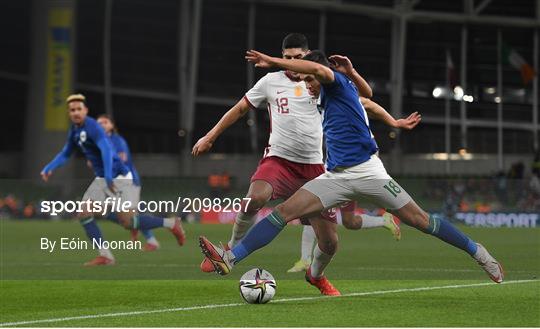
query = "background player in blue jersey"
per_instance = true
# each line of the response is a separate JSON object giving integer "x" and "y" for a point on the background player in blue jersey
{"x": 122, "y": 149}
{"x": 353, "y": 172}
{"x": 113, "y": 178}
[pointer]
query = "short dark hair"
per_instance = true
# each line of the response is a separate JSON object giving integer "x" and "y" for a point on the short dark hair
{"x": 110, "y": 118}
{"x": 317, "y": 56}
{"x": 295, "y": 40}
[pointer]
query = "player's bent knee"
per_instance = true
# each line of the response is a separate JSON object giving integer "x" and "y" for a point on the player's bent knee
{"x": 327, "y": 241}
{"x": 328, "y": 246}
{"x": 352, "y": 224}
{"x": 257, "y": 201}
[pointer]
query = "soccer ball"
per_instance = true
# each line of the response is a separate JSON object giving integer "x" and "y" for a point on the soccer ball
{"x": 257, "y": 286}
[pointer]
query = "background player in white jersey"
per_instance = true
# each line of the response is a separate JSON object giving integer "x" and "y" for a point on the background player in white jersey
{"x": 294, "y": 152}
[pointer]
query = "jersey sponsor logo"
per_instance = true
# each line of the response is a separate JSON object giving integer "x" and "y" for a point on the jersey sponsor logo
{"x": 281, "y": 91}
{"x": 82, "y": 136}
{"x": 298, "y": 91}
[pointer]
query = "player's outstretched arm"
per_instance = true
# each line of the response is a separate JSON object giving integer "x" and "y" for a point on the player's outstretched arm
{"x": 377, "y": 112}
{"x": 59, "y": 160}
{"x": 204, "y": 144}
{"x": 321, "y": 72}
{"x": 344, "y": 65}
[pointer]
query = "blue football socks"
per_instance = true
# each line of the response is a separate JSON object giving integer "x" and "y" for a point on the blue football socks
{"x": 447, "y": 232}
{"x": 259, "y": 236}
{"x": 148, "y": 234}
{"x": 113, "y": 217}
{"x": 146, "y": 222}
{"x": 92, "y": 229}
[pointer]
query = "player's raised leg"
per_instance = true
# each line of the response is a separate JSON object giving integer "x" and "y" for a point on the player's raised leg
{"x": 386, "y": 192}
{"x": 412, "y": 215}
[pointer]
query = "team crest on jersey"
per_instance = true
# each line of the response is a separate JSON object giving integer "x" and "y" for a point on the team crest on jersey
{"x": 298, "y": 91}
{"x": 82, "y": 136}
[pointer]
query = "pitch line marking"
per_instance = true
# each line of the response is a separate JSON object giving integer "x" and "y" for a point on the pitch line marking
{"x": 283, "y": 300}
{"x": 393, "y": 269}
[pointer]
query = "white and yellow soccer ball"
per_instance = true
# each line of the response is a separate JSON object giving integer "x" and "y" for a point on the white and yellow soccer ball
{"x": 257, "y": 286}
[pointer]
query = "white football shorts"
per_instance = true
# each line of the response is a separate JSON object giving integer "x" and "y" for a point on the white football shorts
{"x": 367, "y": 181}
{"x": 125, "y": 190}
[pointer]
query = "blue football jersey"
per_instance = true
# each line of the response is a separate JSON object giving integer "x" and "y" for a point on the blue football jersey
{"x": 348, "y": 138}
{"x": 97, "y": 148}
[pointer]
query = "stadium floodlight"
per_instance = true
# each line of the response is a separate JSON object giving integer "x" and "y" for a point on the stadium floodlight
{"x": 497, "y": 99}
{"x": 437, "y": 92}
{"x": 490, "y": 90}
{"x": 458, "y": 93}
{"x": 468, "y": 98}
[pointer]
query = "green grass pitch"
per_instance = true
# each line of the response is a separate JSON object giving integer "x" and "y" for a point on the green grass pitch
{"x": 418, "y": 281}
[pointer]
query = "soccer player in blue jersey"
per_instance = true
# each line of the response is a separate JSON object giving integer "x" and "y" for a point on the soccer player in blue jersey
{"x": 349, "y": 219}
{"x": 113, "y": 179}
{"x": 353, "y": 172}
{"x": 122, "y": 149}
